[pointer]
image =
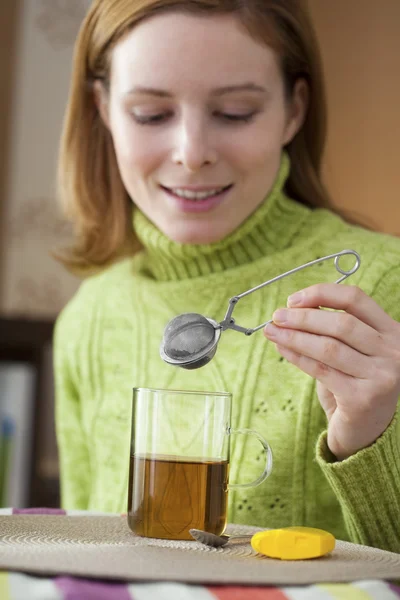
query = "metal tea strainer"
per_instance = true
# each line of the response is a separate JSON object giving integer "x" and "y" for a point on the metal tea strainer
{"x": 190, "y": 340}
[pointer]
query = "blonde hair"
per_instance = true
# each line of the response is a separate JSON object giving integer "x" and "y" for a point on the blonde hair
{"x": 90, "y": 187}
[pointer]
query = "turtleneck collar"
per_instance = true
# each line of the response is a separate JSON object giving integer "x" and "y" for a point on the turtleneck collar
{"x": 271, "y": 227}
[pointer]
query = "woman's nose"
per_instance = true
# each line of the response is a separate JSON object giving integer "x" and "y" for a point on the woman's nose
{"x": 193, "y": 147}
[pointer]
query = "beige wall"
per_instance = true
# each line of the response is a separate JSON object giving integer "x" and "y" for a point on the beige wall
{"x": 360, "y": 41}
{"x": 9, "y": 12}
{"x": 32, "y": 283}
{"x": 361, "y": 53}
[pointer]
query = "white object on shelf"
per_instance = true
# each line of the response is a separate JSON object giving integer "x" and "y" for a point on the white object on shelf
{"x": 17, "y": 393}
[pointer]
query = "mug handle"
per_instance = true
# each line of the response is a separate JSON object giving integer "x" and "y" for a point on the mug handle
{"x": 268, "y": 460}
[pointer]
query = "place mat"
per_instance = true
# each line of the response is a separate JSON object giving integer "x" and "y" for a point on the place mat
{"x": 104, "y": 547}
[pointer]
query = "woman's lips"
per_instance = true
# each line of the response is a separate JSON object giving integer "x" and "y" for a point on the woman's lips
{"x": 202, "y": 205}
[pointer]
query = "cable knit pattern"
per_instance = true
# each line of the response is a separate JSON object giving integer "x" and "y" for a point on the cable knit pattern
{"x": 107, "y": 341}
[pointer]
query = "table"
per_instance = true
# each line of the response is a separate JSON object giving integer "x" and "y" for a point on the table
{"x": 22, "y": 586}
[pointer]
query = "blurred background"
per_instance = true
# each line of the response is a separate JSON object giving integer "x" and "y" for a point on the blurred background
{"x": 361, "y": 53}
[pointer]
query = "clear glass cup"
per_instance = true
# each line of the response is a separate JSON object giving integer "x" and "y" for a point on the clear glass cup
{"x": 179, "y": 462}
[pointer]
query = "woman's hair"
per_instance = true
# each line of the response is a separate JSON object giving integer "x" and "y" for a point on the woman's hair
{"x": 90, "y": 186}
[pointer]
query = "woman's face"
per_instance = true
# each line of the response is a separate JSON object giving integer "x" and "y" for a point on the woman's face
{"x": 198, "y": 117}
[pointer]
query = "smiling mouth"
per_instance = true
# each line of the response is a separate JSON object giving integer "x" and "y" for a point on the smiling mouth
{"x": 197, "y": 195}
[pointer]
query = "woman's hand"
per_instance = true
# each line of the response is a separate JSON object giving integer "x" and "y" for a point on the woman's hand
{"x": 354, "y": 355}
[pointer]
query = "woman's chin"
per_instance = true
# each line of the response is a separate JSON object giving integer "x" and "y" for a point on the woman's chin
{"x": 195, "y": 235}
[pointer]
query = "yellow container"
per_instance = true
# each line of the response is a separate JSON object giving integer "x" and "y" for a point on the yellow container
{"x": 293, "y": 543}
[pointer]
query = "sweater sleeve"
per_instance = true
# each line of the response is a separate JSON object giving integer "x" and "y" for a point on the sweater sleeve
{"x": 367, "y": 484}
{"x": 71, "y": 440}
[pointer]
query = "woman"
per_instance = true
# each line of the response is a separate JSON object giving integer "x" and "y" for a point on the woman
{"x": 190, "y": 166}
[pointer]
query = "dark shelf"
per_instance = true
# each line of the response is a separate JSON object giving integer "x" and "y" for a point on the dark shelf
{"x": 28, "y": 340}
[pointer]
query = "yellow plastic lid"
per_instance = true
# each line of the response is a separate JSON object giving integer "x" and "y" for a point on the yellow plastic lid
{"x": 293, "y": 543}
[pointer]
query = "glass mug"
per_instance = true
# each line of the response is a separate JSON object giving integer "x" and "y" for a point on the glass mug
{"x": 179, "y": 462}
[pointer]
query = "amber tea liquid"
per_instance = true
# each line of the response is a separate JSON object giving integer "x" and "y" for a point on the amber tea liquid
{"x": 170, "y": 495}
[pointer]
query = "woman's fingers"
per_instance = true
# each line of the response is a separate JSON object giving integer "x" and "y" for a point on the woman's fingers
{"x": 325, "y": 350}
{"x": 351, "y": 299}
{"x": 338, "y": 383}
{"x": 341, "y": 326}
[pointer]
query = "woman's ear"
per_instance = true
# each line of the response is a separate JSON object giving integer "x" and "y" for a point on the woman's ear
{"x": 101, "y": 99}
{"x": 297, "y": 110}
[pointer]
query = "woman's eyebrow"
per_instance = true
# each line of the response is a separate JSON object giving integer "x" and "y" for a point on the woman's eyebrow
{"x": 148, "y": 91}
{"x": 243, "y": 87}
{"x": 221, "y": 91}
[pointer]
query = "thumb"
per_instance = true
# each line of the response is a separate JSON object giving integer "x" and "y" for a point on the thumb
{"x": 326, "y": 399}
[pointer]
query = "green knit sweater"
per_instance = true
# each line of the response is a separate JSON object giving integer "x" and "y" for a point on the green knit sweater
{"x": 107, "y": 342}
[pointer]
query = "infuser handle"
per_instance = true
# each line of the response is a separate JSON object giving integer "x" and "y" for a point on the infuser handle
{"x": 229, "y": 323}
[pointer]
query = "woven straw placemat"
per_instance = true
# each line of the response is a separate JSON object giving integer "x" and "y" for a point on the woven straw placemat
{"x": 104, "y": 547}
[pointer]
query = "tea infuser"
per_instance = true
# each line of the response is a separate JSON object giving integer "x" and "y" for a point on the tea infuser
{"x": 190, "y": 340}
{"x": 217, "y": 541}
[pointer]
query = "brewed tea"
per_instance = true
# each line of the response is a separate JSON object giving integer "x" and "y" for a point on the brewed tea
{"x": 169, "y": 495}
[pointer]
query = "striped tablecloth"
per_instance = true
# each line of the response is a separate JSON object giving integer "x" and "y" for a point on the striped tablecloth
{"x": 19, "y": 586}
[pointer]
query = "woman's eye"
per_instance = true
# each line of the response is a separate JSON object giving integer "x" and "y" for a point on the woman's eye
{"x": 151, "y": 119}
{"x": 237, "y": 118}
{"x": 159, "y": 118}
